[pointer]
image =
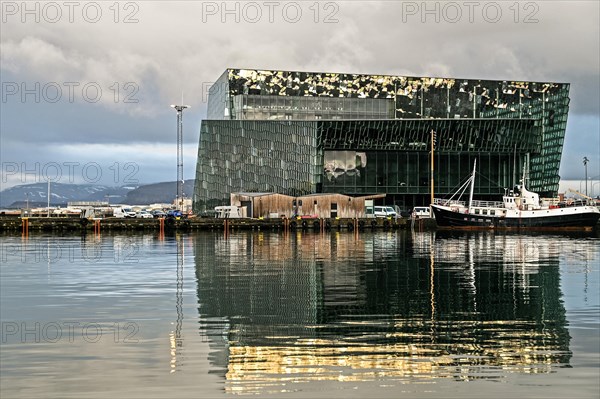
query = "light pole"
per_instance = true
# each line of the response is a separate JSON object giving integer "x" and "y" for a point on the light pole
{"x": 585, "y": 162}
{"x": 179, "y": 195}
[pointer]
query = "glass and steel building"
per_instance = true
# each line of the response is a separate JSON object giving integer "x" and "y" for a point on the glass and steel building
{"x": 299, "y": 133}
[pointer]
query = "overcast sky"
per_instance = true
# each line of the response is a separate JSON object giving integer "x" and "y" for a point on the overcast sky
{"x": 86, "y": 86}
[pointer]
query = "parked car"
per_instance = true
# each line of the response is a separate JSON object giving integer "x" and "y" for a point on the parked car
{"x": 175, "y": 213}
{"x": 144, "y": 215}
{"x": 158, "y": 214}
{"x": 130, "y": 213}
{"x": 384, "y": 211}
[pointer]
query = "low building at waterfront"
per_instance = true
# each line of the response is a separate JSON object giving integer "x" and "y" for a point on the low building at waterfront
{"x": 274, "y": 205}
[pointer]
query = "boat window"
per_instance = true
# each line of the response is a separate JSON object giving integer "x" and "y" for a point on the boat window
{"x": 492, "y": 211}
{"x": 477, "y": 211}
{"x": 484, "y": 211}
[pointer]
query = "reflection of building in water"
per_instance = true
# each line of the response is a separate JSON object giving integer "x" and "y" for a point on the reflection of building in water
{"x": 336, "y": 307}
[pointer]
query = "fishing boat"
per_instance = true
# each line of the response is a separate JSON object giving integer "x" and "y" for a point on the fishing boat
{"x": 520, "y": 209}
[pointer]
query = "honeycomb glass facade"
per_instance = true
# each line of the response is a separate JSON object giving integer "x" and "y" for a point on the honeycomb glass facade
{"x": 256, "y": 156}
{"x": 301, "y": 133}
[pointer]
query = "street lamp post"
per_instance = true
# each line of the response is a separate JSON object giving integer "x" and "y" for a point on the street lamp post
{"x": 585, "y": 162}
{"x": 179, "y": 195}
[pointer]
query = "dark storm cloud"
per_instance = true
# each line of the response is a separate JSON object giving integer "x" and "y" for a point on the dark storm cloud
{"x": 182, "y": 47}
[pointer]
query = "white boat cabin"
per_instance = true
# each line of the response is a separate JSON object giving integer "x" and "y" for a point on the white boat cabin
{"x": 522, "y": 199}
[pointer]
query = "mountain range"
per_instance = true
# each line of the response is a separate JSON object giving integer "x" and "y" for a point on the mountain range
{"x": 62, "y": 193}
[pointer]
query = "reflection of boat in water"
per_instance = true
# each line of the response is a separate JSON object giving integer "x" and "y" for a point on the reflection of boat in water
{"x": 520, "y": 209}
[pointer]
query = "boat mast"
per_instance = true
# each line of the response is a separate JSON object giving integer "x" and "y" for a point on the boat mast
{"x": 472, "y": 185}
{"x": 432, "y": 148}
{"x": 525, "y": 174}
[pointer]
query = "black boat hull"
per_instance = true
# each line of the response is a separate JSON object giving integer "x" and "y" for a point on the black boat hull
{"x": 447, "y": 219}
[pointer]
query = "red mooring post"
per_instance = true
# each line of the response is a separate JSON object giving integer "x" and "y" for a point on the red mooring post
{"x": 25, "y": 227}
{"x": 226, "y": 228}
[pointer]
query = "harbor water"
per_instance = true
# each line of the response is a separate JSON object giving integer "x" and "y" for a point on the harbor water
{"x": 314, "y": 315}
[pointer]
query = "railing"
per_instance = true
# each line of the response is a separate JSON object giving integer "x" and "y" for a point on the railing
{"x": 488, "y": 204}
{"x": 477, "y": 204}
{"x": 570, "y": 203}
{"x": 445, "y": 202}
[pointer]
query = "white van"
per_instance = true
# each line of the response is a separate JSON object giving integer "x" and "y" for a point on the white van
{"x": 421, "y": 212}
{"x": 384, "y": 211}
{"x": 228, "y": 212}
{"x": 121, "y": 212}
